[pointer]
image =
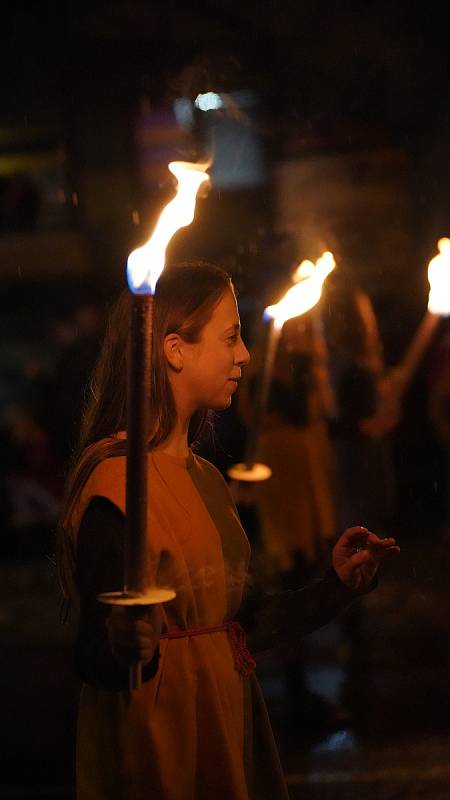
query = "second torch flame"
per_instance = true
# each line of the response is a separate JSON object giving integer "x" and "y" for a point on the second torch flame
{"x": 146, "y": 263}
{"x": 305, "y": 293}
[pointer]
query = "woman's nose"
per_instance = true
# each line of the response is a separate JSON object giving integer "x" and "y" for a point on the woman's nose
{"x": 243, "y": 356}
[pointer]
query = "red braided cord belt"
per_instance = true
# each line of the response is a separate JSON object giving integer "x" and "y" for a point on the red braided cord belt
{"x": 243, "y": 660}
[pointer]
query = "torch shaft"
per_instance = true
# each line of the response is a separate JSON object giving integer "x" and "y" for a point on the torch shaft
{"x": 138, "y": 412}
{"x": 272, "y": 336}
{"x": 417, "y": 347}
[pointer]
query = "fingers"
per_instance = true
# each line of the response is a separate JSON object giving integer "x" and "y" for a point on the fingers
{"x": 354, "y": 537}
{"x": 355, "y": 532}
{"x": 133, "y": 639}
{"x": 360, "y": 537}
{"x": 386, "y": 542}
{"x": 371, "y": 554}
{"x": 380, "y": 547}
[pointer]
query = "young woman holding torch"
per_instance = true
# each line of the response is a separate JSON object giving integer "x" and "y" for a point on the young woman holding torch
{"x": 198, "y": 728}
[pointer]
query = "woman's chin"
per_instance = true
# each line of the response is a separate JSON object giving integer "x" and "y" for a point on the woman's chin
{"x": 222, "y": 404}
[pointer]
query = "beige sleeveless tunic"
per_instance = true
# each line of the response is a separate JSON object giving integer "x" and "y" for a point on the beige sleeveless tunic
{"x": 198, "y": 730}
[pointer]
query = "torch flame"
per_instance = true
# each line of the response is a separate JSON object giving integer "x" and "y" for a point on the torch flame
{"x": 146, "y": 263}
{"x": 439, "y": 278}
{"x": 306, "y": 293}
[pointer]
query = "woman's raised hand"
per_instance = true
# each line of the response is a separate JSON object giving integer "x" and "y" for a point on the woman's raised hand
{"x": 358, "y": 554}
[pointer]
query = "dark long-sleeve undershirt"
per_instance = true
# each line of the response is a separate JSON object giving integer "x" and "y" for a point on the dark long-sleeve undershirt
{"x": 100, "y": 559}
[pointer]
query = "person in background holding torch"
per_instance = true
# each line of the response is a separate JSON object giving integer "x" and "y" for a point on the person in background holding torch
{"x": 295, "y": 505}
{"x": 198, "y": 727}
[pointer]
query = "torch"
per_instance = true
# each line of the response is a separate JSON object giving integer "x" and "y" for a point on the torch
{"x": 143, "y": 270}
{"x": 438, "y": 307}
{"x": 304, "y": 295}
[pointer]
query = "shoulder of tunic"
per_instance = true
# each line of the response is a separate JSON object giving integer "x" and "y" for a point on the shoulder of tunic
{"x": 203, "y": 463}
{"x": 211, "y": 473}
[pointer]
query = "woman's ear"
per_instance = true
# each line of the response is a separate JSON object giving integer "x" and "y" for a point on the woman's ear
{"x": 173, "y": 351}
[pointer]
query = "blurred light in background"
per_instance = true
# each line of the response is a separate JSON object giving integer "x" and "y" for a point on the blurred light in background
{"x": 229, "y": 134}
{"x": 209, "y": 101}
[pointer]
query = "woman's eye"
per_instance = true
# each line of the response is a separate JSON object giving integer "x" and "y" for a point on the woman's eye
{"x": 233, "y": 338}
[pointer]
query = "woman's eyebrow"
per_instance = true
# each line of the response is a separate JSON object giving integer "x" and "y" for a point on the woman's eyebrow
{"x": 235, "y": 328}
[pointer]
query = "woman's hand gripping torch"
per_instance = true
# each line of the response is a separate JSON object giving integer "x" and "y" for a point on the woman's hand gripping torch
{"x": 143, "y": 270}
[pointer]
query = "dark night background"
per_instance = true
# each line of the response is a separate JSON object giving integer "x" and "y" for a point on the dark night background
{"x": 353, "y": 99}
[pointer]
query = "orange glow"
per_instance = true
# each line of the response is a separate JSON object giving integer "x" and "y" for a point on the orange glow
{"x": 146, "y": 263}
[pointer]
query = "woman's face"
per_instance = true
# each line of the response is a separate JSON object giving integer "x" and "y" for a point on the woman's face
{"x": 212, "y": 366}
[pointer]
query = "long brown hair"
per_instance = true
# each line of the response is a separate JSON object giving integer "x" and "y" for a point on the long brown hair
{"x": 185, "y": 298}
